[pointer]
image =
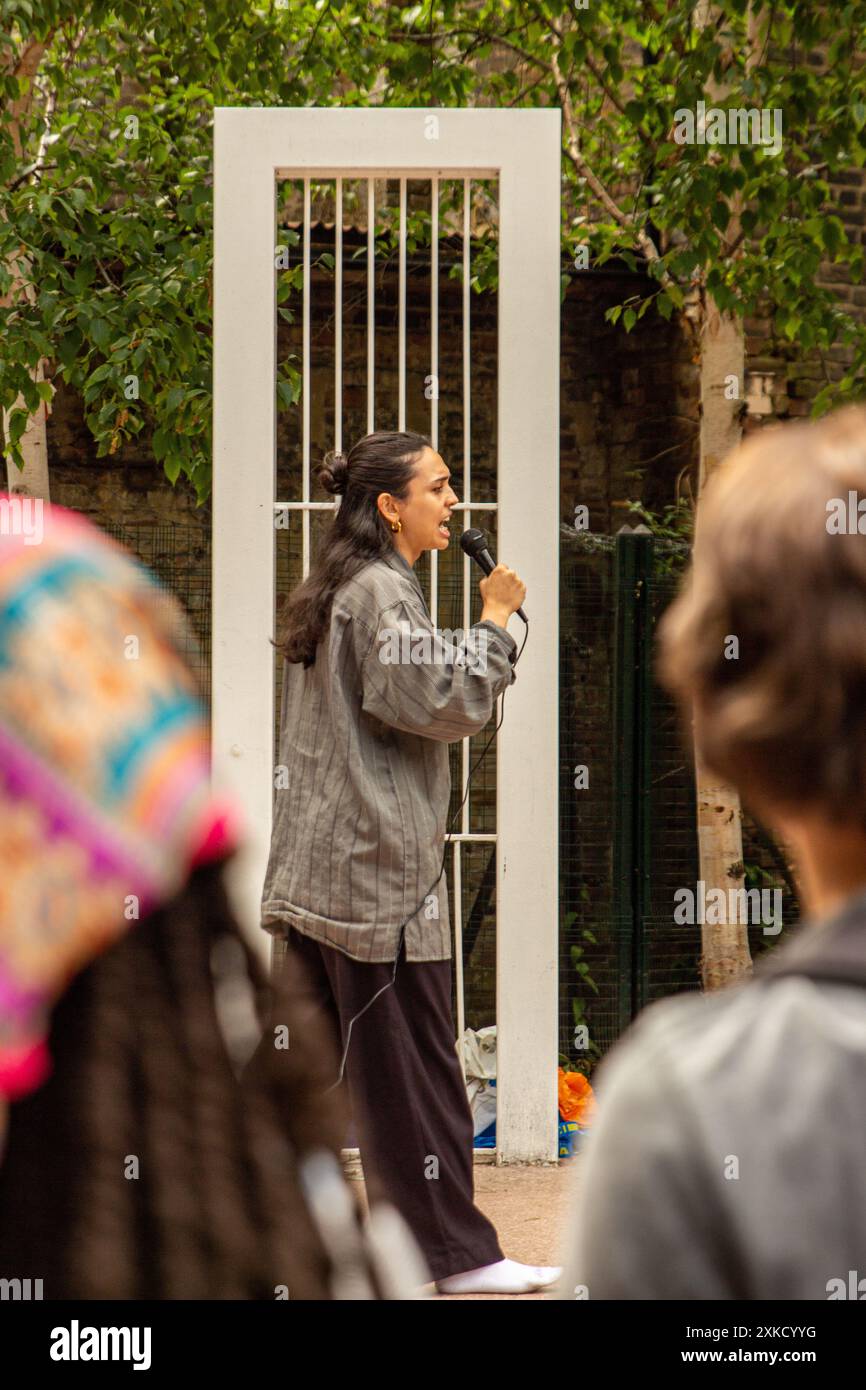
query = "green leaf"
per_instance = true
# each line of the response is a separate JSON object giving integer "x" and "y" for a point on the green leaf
{"x": 287, "y": 394}
{"x": 823, "y": 399}
{"x": 17, "y": 425}
{"x": 171, "y": 467}
{"x": 30, "y": 394}
{"x": 834, "y": 234}
{"x": 102, "y": 373}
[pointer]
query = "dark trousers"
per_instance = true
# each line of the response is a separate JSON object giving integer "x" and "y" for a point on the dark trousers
{"x": 408, "y": 1098}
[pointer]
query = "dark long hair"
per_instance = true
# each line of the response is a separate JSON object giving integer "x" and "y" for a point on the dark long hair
{"x": 141, "y": 1069}
{"x": 381, "y": 462}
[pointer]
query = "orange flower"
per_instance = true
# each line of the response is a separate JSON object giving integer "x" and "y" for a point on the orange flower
{"x": 576, "y": 1098}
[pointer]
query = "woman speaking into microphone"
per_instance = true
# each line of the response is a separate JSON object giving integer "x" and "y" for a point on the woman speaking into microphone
{"x": 372, "y": 696}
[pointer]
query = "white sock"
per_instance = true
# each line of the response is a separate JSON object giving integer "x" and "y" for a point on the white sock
{"x": 506, "y": 1276}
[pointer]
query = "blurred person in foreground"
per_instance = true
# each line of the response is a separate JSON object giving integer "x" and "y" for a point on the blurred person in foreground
{"x": 728, "y": 1157}
{"x": 144, "y": 1156}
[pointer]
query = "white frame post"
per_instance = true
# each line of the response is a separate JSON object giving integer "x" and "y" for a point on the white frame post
{"x": 521, "y": 148}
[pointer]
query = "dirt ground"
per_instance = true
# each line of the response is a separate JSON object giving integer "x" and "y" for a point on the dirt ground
{"x": 529, "y": 1207}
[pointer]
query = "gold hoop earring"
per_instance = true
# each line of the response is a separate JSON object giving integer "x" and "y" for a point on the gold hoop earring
{"x": 397, "y": 525}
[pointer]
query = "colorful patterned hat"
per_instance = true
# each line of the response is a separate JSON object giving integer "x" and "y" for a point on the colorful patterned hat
{"x": 105, "y": 795}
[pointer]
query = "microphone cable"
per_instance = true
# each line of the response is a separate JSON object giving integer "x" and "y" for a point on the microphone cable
{"x": 469, "y": 777}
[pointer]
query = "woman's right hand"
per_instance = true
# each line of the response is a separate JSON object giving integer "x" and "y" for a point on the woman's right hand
{"x": 502, "y": 592}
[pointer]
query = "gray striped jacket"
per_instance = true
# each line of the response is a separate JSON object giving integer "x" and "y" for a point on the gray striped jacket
{"x": 363, "y": 784}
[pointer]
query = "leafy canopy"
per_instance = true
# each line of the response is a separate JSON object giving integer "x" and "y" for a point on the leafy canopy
{"x": 105, "y": 169}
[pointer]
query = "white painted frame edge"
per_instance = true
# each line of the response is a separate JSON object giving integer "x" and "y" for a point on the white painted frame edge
{"x": 252, "y": 148}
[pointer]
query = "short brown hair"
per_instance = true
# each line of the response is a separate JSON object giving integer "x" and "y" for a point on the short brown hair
{"x": 784, "y": 719}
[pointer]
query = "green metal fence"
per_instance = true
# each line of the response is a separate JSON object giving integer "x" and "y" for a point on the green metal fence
{"x": 628, "y": 837}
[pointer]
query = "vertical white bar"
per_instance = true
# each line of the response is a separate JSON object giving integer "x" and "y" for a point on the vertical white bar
{"x": 338, "y": 321}
{"x": 401, "y": 332}
{"x": 434, "y": 312}
{"x": 371, "y": 301}
{"x": 458, "y": 950}
{"x": 305, "y": 369}
{"x": 434, "y": 372}
{"x": 467, "y": 467}
{"x": 243, "y": 570}
{"x": 527, "y": 869}
{"x": 467, "y": 400}
{"x": 465, "y": 745}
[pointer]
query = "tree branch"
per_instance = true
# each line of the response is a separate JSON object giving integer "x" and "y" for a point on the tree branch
{"x": 594, "y": 68}
{"x": 32, "y": 169}
{"x": 643, "y": 240}
{"x": 27, "y": 66}
{"x": 527, "y": 57}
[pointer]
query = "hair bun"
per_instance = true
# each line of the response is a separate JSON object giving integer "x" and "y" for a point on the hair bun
{"x": 334, "y": 472}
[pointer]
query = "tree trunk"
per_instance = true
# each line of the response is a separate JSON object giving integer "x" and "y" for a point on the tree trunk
{"x": 32, "y": 480}
{"x": 725, "y": 954}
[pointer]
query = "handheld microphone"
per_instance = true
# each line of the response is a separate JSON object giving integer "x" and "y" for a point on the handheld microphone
{"x": 474, "y": 543}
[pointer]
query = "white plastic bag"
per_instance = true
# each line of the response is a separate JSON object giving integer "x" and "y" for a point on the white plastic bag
{"x": 479, "y": 1061}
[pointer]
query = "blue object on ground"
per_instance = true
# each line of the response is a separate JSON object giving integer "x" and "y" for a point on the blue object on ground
{"x": 571, "y": 1138}
{"x": 486, "y": 1139}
